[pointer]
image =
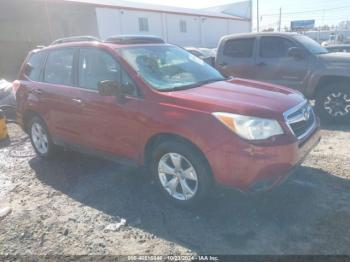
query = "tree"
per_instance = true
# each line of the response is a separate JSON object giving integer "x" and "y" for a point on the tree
{"x": 344, "y": 25}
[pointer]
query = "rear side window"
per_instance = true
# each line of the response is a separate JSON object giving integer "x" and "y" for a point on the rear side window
{"x": 240, "y": 48}
{"x": 275, "y": 47}
{"x": 35, "y": 65}
{"x": 96, "y": 66}
{"x": 59, "y": 67}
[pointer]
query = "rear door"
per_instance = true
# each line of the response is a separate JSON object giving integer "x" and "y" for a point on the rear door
{"x": 237, "y": 58}
{"x": 110, "y": 125}
{"x": 275, "y": 66}
{"x": 62, "y": 97}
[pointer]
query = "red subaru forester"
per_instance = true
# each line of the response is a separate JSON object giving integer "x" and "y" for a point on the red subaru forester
{"x": 140, "y": 101}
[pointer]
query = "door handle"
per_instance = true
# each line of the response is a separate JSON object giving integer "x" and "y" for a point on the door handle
{"x": 261, "y": 64}
{"x": 77, "y": 101}
{"x": 38, "y": 91}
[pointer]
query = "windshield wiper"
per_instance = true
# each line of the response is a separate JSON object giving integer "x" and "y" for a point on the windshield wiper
{"x": 198, "y": 84}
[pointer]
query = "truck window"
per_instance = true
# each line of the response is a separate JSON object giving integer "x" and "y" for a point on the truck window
{"x": 239, "y": 48}
{"x": 274, "y": 47}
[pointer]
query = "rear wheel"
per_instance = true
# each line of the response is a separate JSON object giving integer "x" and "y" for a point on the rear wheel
{"x": 333, "y": 103}
{"x": 181, "y": 173}
{"x": 40, "y": 138}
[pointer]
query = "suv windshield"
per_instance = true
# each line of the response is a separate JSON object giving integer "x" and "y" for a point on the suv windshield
{"x": 167, "y": 67}
{"x": 311, "y": 45}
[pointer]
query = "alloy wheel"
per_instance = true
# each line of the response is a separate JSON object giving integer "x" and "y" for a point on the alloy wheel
{"x": 40, "y": 138}
{"x": 337, "y": 104}
{"x": 178, "y": 176}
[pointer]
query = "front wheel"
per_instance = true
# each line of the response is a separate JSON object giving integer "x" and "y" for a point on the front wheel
{"x": 333, "y": 103}
{"x": 181, "y": 173}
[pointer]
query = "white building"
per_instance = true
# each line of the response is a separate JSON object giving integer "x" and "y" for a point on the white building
{"x": 184, "y": 27}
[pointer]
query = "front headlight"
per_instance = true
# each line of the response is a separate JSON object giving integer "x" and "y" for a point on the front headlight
{"x": 248, "y": 127}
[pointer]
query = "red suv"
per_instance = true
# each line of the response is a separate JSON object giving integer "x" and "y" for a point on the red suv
{"x": 140, "y": 101}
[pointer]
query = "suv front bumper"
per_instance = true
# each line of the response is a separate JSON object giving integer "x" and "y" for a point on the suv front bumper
{"x": 249, "y": 167}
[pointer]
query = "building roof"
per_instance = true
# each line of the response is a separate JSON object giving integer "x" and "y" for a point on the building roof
{"x": 156, "y": 8}
{"x": 239, "y": 8}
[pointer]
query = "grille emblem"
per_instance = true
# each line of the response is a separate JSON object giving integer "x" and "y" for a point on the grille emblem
{"x": 306, "y": 114}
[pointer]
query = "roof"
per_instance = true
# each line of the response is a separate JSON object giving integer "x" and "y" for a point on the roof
{"x": 240, "y": 8}
{"x": 117, "y": 41}
{"x": 244, "y": 35}
{"x": 155, "y": 8}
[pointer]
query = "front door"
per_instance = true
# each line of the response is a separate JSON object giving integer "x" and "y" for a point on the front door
{"x": 275, "y": 66}
{"x": 109, "y": 124}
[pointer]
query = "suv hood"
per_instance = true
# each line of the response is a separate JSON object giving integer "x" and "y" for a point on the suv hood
{"x": 240, "y": 96}
{"x": 336, "y": 59}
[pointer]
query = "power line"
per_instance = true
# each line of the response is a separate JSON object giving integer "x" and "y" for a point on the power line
{"x": 310, "y": 11}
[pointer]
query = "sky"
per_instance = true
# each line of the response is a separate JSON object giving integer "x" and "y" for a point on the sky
{"x": 329, "y": 12}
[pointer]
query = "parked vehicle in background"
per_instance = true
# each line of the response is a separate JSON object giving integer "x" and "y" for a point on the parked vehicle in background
{"x": 338, "y": 48}
{"x": 206, "y": 54}
{"x": 143, "y": 102}
{"x": 336, "y": 39}
{"x": 291, "y": 60}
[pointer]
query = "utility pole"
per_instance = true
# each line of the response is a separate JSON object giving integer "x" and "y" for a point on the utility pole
{"x": 251, "y": 15}
{"x": 280, "y": 21}
{"x": 257, "y": 16}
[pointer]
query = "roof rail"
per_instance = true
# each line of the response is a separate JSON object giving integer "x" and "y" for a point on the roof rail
{"x": 74, "y": 39}
{"x": 134, "y": 39}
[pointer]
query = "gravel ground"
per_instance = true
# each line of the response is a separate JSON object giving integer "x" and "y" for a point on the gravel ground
{"x": 72, "y": 206}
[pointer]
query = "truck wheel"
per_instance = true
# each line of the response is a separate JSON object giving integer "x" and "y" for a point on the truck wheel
{"x": 40, "y": 138}
{"x": 181, "y": 172}
{"x": 333, "y": 103}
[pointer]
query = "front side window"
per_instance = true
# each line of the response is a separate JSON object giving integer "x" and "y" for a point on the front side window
{"x": 95, "y": 66}
{"x": 167, "y": 67}
{"x": 59, "y": 67}
{"x": 35, "y": 66}
{"x": 239, "y": 48}
{"x": 275, "y": 47}
{"x": 128, "y": 85}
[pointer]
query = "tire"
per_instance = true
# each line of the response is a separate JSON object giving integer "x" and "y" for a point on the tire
{"x": 191, "y": 186}
{"x": 333, "y": 103}
{"x": 41, "y": 139}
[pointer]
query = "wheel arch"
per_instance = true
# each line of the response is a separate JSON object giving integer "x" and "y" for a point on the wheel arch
{"x": 27, "y": 116}
{"x": 325, "y": 81}
{"x": 161, "y": 137}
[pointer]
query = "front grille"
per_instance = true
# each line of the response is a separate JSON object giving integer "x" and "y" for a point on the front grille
{"x": 299, "y": 128}
{"x": 301, "y": 120}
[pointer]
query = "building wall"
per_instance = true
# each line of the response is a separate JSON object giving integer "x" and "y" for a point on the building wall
{"x": 27, "y": 24}
{"x": 192, "y": 36}
{"x": 196, "y": 30}
{"x": 212, "y": 30}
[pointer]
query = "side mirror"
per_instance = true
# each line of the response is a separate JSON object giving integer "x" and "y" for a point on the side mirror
{"x": 110, "y": 88}
{"x": 296, "y": 52}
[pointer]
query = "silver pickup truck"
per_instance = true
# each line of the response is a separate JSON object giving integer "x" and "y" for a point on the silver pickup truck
{"x": 291, "y": 60}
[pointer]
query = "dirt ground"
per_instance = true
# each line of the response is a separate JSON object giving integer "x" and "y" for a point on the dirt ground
{"x": 70, "y": 205}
